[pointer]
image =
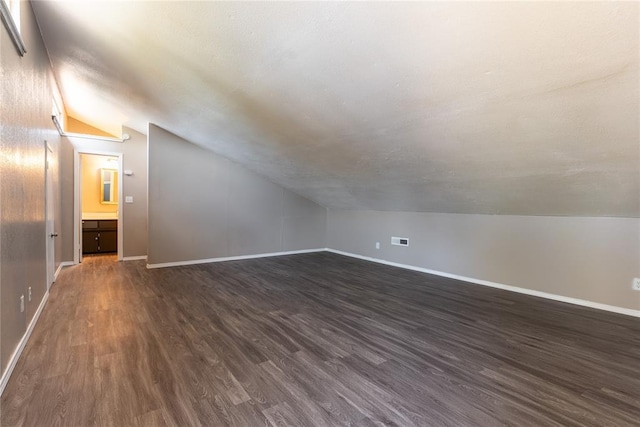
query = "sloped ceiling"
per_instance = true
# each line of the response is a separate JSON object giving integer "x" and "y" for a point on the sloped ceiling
{"x": 481, "y": 107}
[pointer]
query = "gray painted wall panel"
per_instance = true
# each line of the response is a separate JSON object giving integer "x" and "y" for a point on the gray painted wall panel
{"x": 254, "y": 208}
{"x": 302, "y": 232}
{"x": 593, "y": 259}
{"x": 298, "y": 206}
{"x": 203, "y": 206}
{"x": 174, "y": 201}
{"x": 135, "y": 214}
{"x": 26, "y": 93}
{"x": 66, "y": 195}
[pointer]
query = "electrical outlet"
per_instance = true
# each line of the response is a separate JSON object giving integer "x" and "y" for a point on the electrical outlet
{"x": 636, "y": 284}
{"x": 29, "y": 293}
{"x": 400, "y": 241}
{"x": 22, "y": 303}
{"x": 377, "y": 245}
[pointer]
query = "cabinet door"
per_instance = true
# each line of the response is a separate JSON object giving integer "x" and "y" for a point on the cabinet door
{"x": 90, "y": 240}
{"x": 108, "y": 241}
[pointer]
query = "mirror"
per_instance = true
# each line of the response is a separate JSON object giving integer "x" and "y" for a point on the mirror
{"x": 109, "y": 186}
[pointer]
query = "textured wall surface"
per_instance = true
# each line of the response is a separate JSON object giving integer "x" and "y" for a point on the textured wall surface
{"x": 527, "y": 108}
{"x": 204, "y": 206}
{"x": 135, "y": 215}
{"x": 26, "y": 93}
{"x": 593, "y": 259}
{"x": 134, "y": 154}
{"x": 66, "y": 198}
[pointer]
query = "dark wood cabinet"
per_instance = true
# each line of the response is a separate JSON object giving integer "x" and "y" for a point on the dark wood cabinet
{"x": 90, "y": 242}
{"x": 99, "y": 236}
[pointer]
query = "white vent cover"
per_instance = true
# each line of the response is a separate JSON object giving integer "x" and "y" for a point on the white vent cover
{"x": 400, "y": 241}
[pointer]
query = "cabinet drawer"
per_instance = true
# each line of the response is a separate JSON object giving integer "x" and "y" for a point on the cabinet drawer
{"x": 89, "y": 224}
{"x": 110, "y": 224}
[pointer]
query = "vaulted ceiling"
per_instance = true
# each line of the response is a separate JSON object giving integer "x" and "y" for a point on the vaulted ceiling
{"x": 483, "y": 107}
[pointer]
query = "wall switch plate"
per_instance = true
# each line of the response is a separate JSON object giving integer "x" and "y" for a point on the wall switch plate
{"x": 377, "y": 245}
{"x": 636, "y": 284}
{"x": 128, "y": 199}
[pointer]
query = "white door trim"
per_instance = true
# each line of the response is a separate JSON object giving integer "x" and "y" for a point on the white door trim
{"x": 50, "y": 224}
{"x": 77, "y": 198}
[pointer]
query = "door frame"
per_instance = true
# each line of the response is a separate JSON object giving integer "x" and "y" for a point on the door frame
{"x": 50, "y": 216}
{"x": 77, "y": 200}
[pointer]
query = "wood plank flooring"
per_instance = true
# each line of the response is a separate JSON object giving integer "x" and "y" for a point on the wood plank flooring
{"x": 315, "y": 340}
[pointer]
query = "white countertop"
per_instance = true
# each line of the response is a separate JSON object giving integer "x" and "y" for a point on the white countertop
{"x": 99, "y": 215}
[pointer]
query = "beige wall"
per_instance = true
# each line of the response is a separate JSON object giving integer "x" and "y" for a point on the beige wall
{"x": 204, "y": 206}
{"x": 74, "y": 125}
{"x": 26, "y": 93}
{"x": 91, "y": 167}
{"x": 593, "y": 259}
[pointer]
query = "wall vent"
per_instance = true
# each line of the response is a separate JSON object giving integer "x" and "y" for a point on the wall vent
{"x": 400, "y": 241}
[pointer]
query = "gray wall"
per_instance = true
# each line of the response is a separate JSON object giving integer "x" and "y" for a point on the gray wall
{"x": 204, "y": 206}
{"x": 26, "y": 93}
{"x": 593, "y": 259}
{"x": 134, "y": 154}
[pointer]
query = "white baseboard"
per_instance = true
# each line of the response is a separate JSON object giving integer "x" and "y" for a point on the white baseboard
{"x": 13, "y": 360}
{"x": 231, "y": 258}
{"x": 576, "y": 301}
{"x": 134, "y": 258}
{"x": 60, "y": 267}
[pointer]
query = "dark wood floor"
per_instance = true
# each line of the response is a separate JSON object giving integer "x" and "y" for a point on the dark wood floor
{"x": 313, "y": 340}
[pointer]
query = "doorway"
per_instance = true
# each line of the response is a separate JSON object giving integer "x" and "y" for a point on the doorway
{"x": 97, "y": 204}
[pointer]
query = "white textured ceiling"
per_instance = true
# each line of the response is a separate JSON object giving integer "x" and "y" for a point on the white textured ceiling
{"x": 481, "y": 107}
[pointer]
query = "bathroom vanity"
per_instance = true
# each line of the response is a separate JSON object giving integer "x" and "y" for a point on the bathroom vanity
{"x": 99, "y": 236}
